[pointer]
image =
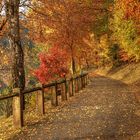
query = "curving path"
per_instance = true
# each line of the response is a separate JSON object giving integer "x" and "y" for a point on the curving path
{"x": 105, "y": 110}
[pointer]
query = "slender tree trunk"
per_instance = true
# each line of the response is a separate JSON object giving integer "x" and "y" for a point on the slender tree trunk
{"x": 73, "y": 65}
{"x": 72, "y": 60}
{"x": 18, "y": 74}
{"x": 87, "y": 64}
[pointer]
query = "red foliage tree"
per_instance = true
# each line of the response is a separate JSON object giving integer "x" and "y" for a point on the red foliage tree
{"x": 53, "y": 65}
{"x": 64, "y": 22}
{"x": 132, "y": 9}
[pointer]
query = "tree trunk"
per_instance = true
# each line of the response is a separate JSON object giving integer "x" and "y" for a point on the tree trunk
{"x": 18, "y": 74}
{"x": 73, "y": 65}
{"x": 87, "y": 64}
{"x": 72, "y": 60}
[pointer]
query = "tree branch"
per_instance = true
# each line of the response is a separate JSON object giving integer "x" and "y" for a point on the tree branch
{"x": 3, "y": 24}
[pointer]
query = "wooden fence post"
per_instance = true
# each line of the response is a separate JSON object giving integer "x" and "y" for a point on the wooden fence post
{"x": 76, "y": 85}
{"x": 64, "y": 91}
{"x": 54, "y": 99}
{"x": 72, "y": 81}
{"x": 40, "y": 101}
{"x": 17, "y": 109}
{"x": 78, "y": 82}
{"x": 84, "y": 81}
{"x": 66, "y": 88}
{"x": 87, "y": 79}
{"x": 70, "y": 88}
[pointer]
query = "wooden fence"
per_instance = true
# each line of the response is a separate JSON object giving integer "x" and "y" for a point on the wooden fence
{"x": 68, "y": 86}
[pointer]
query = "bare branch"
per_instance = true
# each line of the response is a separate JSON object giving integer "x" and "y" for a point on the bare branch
{"x": 3, "y": 24}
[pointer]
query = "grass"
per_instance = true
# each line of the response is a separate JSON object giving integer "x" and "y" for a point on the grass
{"x": 129, "y": 74}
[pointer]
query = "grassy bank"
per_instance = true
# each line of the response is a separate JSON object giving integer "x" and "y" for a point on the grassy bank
{"x": 129, "y": 74}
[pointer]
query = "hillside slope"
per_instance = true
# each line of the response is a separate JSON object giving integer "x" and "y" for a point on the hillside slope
{"x": 129, "y": 74}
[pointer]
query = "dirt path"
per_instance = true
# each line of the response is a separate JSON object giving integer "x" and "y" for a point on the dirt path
{"x": 105, "y": 110}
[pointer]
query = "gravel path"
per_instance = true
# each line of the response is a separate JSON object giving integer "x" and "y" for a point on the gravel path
{"x": 105, "y": 110}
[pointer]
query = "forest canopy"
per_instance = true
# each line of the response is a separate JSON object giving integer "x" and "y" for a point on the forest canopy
{"x": 91, "y": 33}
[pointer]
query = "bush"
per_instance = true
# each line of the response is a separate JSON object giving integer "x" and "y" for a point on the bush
{"x": 6, "y": 105}
{"x": 114, "y": 55}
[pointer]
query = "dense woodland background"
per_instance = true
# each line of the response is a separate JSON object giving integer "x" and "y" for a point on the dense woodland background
{"x": 44, "y": 40}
